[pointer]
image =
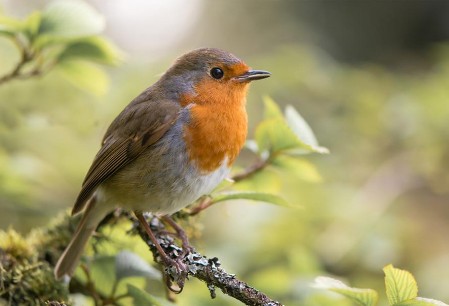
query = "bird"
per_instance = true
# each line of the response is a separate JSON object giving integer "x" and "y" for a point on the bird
{"x": 172, "y": 144}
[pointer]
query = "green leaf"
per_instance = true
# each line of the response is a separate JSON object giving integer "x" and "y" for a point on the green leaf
{"x": 85, "y": 76}
{"x": 67, "y": 20}
{"x": 430, "y": 302}
{"x": 252, "y": 145}
{"x": 274, "y": 134}
{"x": 301, "y": 168}
{"x": 267, "y": 180}
{"x": 32, "y": 24}
{"x": 92, "y": 48}
{"x": 364, "y": 297}
{"x": 10, "y": 26}
{"x": 422, "y": 302}
{"x": 255, "y": 196}
{"x": 140, "y": 297}
{"x": 130, "y": 264}
{"x": 5, "y": 31}
{"x": 302, "y": 130}
{"x": 400, "y": 285}
{"x": 102, "y": 270}
{"x": 272, "y": 110}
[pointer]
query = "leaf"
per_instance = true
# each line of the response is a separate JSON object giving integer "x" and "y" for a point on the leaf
{"x": 267, "y": 180}
{"x": 251, "y": 145}
{"x": 300, "y": 126}
{"x": 422, "y": 302}
{"x": 302, "y": 130}
{"x": 301, "y": 168}
{"x": 102, "y": 270}
{"x": 32, "y": 24}
{"x": 365, "y": 297}
{"x": 130, "y": 264}
{"x": 140, "y": 297}
{"x": 85, "y": 76}
{"x": 430, "y": 302}
{"x": 10, "y": 26}
{"x": 272, "y": 110}
{"x": 92, "y": 48}
{"x": 5, "y": 31}
{"x": 400, "y": 285}
{"x": 68, "y": 19}
{"x": 274, "y": 134}
{"x": 255, "y": 196}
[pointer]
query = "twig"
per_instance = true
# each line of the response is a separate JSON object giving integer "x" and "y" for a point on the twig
{"x": 207, "y": 201}
{"x": 90, "y": 285}
{"x": 204, "y": 203}
{"x": 203, "y": 268}
{"x": 15, "y": 73}
{"x": 27, "y": 56}
{"x": 251, "y": 170}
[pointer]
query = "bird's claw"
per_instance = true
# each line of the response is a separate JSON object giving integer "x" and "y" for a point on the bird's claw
{"x": 176, "y": 272}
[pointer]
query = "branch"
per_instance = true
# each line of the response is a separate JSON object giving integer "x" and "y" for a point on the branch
{"x": 17, "y": 73}
{"x": 203, "y": 268}
{"x": 27, "y": 56}
{"x": 206, "y": 201}
{"x": 256, "y": 167}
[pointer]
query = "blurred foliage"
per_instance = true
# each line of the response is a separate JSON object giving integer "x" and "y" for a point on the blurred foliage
{"x": 380, "y": 197}
{"x": 401, "y": 289}
{"x": 63, "y": 36}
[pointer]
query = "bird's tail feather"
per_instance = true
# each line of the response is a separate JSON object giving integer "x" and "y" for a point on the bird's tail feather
{"x": 69, "y": 259}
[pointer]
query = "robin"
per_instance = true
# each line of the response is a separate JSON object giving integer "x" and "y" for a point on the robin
{"x": 172, "y": 144}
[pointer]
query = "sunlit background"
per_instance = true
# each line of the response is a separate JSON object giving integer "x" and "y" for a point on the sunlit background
{"x": 370, "y": 77}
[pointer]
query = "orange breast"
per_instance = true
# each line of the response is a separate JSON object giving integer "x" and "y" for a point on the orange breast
{"x": 218, "y": 126}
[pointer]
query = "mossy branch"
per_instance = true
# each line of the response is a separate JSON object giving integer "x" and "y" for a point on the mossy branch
{"x": 203, "y": 268}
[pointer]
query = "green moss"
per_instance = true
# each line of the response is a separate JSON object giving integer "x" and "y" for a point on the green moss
{"x": 26, "y": 267}
{"x": 49, "y": 242}
{"x": 14, "y": 244}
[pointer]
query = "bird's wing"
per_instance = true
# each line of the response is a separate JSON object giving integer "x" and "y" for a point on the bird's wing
{"x": 139, "y": 126}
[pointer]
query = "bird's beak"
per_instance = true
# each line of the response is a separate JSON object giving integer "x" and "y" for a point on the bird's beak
{"x": 252, "y": 75}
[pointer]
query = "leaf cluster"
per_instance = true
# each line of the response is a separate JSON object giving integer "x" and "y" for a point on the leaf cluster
{"x": 65, "y": 36}
{"x": 401, "y": 290}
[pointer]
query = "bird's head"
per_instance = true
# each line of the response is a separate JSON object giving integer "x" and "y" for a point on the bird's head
{"x": 210, "y": 75}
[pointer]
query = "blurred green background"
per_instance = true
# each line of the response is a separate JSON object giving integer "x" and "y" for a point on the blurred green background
{"x": 370, "y": 77}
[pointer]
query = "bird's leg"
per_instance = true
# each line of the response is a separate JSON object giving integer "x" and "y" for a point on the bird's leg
{"x": 178, "y": 264}
{"x": 186, "y": 247}
{"x": 153, "y": 238}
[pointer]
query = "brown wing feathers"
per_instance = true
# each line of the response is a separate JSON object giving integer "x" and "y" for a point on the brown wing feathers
{"x": 105, "y": 165}
{"x": 116, "y": 153}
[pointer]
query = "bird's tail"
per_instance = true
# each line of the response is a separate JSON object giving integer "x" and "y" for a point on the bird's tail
{"x": 68, "y": 261}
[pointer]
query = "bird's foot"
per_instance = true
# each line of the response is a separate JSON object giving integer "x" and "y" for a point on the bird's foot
{"x": 186, "y": 246}
{"x": 176, "y": 272}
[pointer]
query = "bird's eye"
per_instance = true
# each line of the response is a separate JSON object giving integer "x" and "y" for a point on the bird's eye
{"x": 216, "y": 73}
